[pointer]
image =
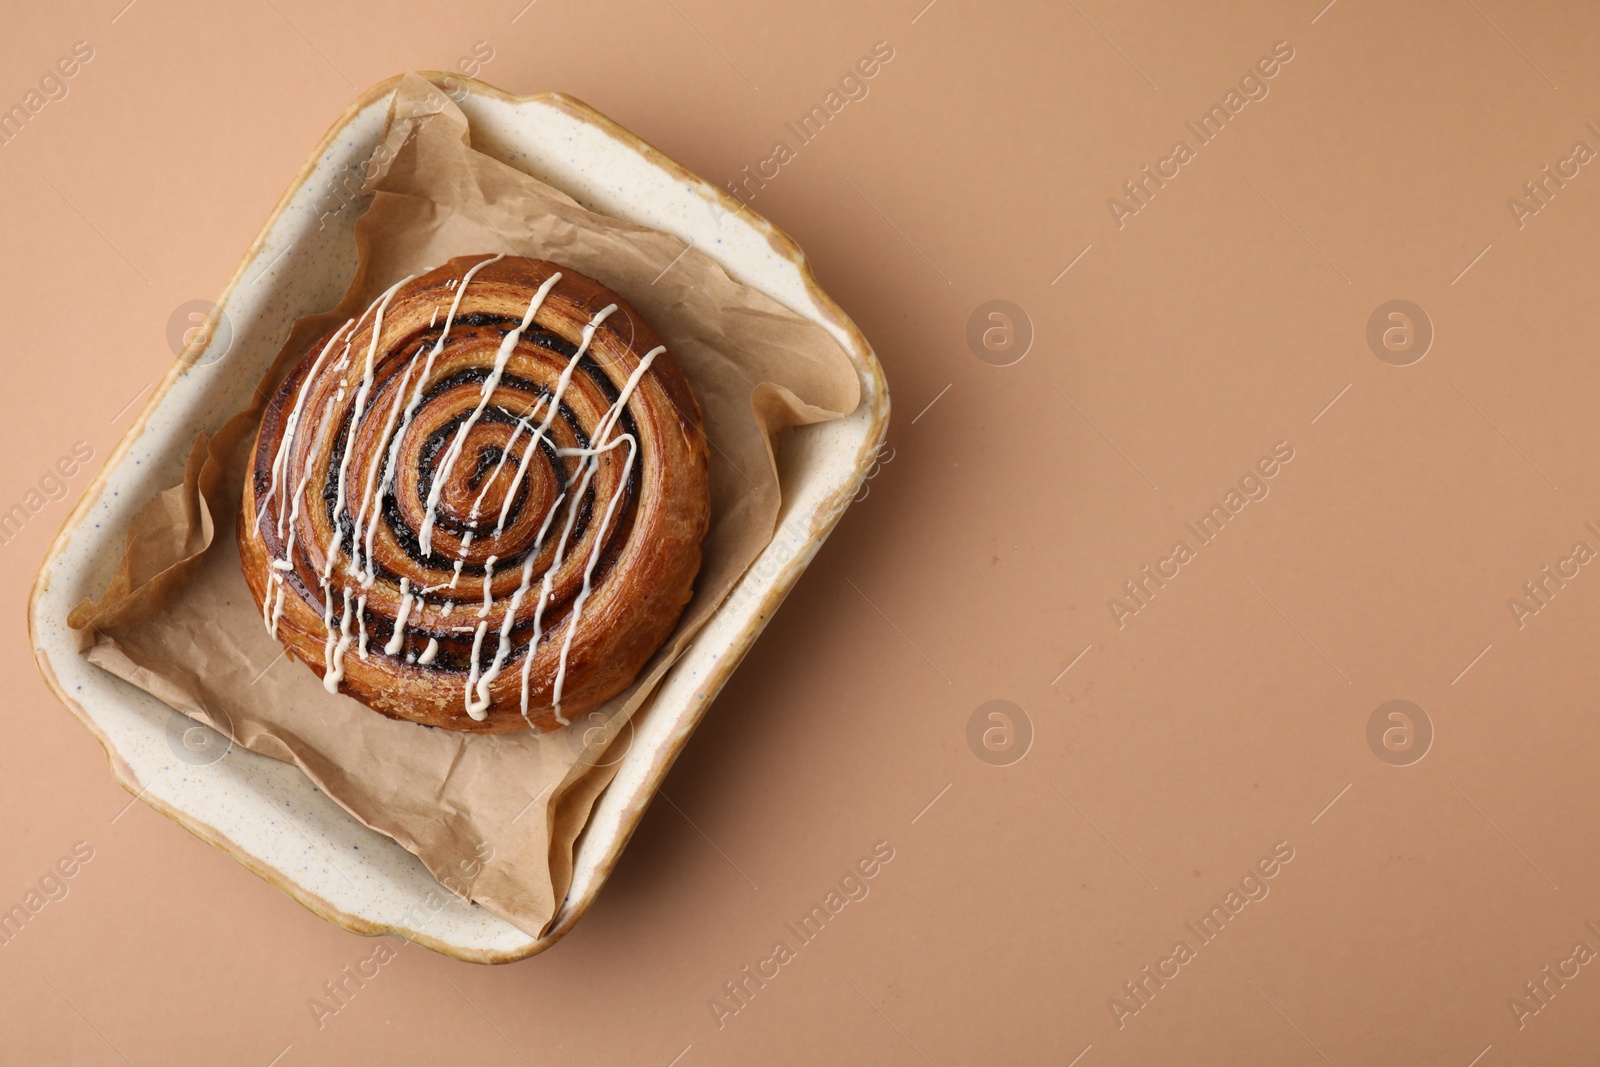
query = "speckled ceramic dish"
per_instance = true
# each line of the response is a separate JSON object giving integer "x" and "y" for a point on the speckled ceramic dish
{"x": 266, "y": 814}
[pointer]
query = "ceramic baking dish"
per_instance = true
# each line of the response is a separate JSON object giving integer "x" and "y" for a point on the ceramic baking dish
{"x": 265, "y": 813}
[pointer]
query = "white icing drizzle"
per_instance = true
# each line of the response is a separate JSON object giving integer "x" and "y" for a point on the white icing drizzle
{"x": 511, "y": 442}
{"x": 428, "y": 653}
{"x": 277, "y": 605}
{"x": 332, "y": 653}
{"x": 292, "y": 423}
{"x": 477, "y": 501}
{"x": 508, "y": 345}
{"x": 602, "y": 435}
{"x": 479, "y": 708}
{"x": 369, "y": 573}
{"x": 482, "y": 711}
{"x": 406, "y": 600}
{"x": 294, "y": 514}
{"x": 549, "y": 416}
{"x": 361, "y": 618}
{"x": 395, "y": 436}
{"x": 335, "y": 647}
{"x": 488, "y": 587}
{"x": 359, "y": 414}
{"x": 280, "y": 472}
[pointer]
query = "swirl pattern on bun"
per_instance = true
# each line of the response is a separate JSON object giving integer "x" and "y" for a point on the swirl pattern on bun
{"x": 480, "y": 504}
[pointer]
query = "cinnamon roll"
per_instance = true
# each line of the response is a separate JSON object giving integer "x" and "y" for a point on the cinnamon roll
{"x": 479, "y": 505}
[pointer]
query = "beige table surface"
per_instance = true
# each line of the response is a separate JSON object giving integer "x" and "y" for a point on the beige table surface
{"x": 1160, "y": 750}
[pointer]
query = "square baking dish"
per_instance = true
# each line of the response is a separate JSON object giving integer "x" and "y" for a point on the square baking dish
{"x": 266, "y": 814}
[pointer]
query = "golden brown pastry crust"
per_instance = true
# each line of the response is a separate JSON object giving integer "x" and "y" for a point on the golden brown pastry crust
{"x": 318, "y": 493}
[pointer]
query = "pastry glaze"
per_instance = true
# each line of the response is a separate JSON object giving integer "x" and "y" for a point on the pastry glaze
{"x": 501, "y": 434}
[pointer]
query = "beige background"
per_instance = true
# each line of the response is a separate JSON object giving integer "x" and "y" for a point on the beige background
{"x": 1226, "y": 716}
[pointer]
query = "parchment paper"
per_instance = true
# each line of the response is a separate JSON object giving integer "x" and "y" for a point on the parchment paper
{"x": 178, "y": 621}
